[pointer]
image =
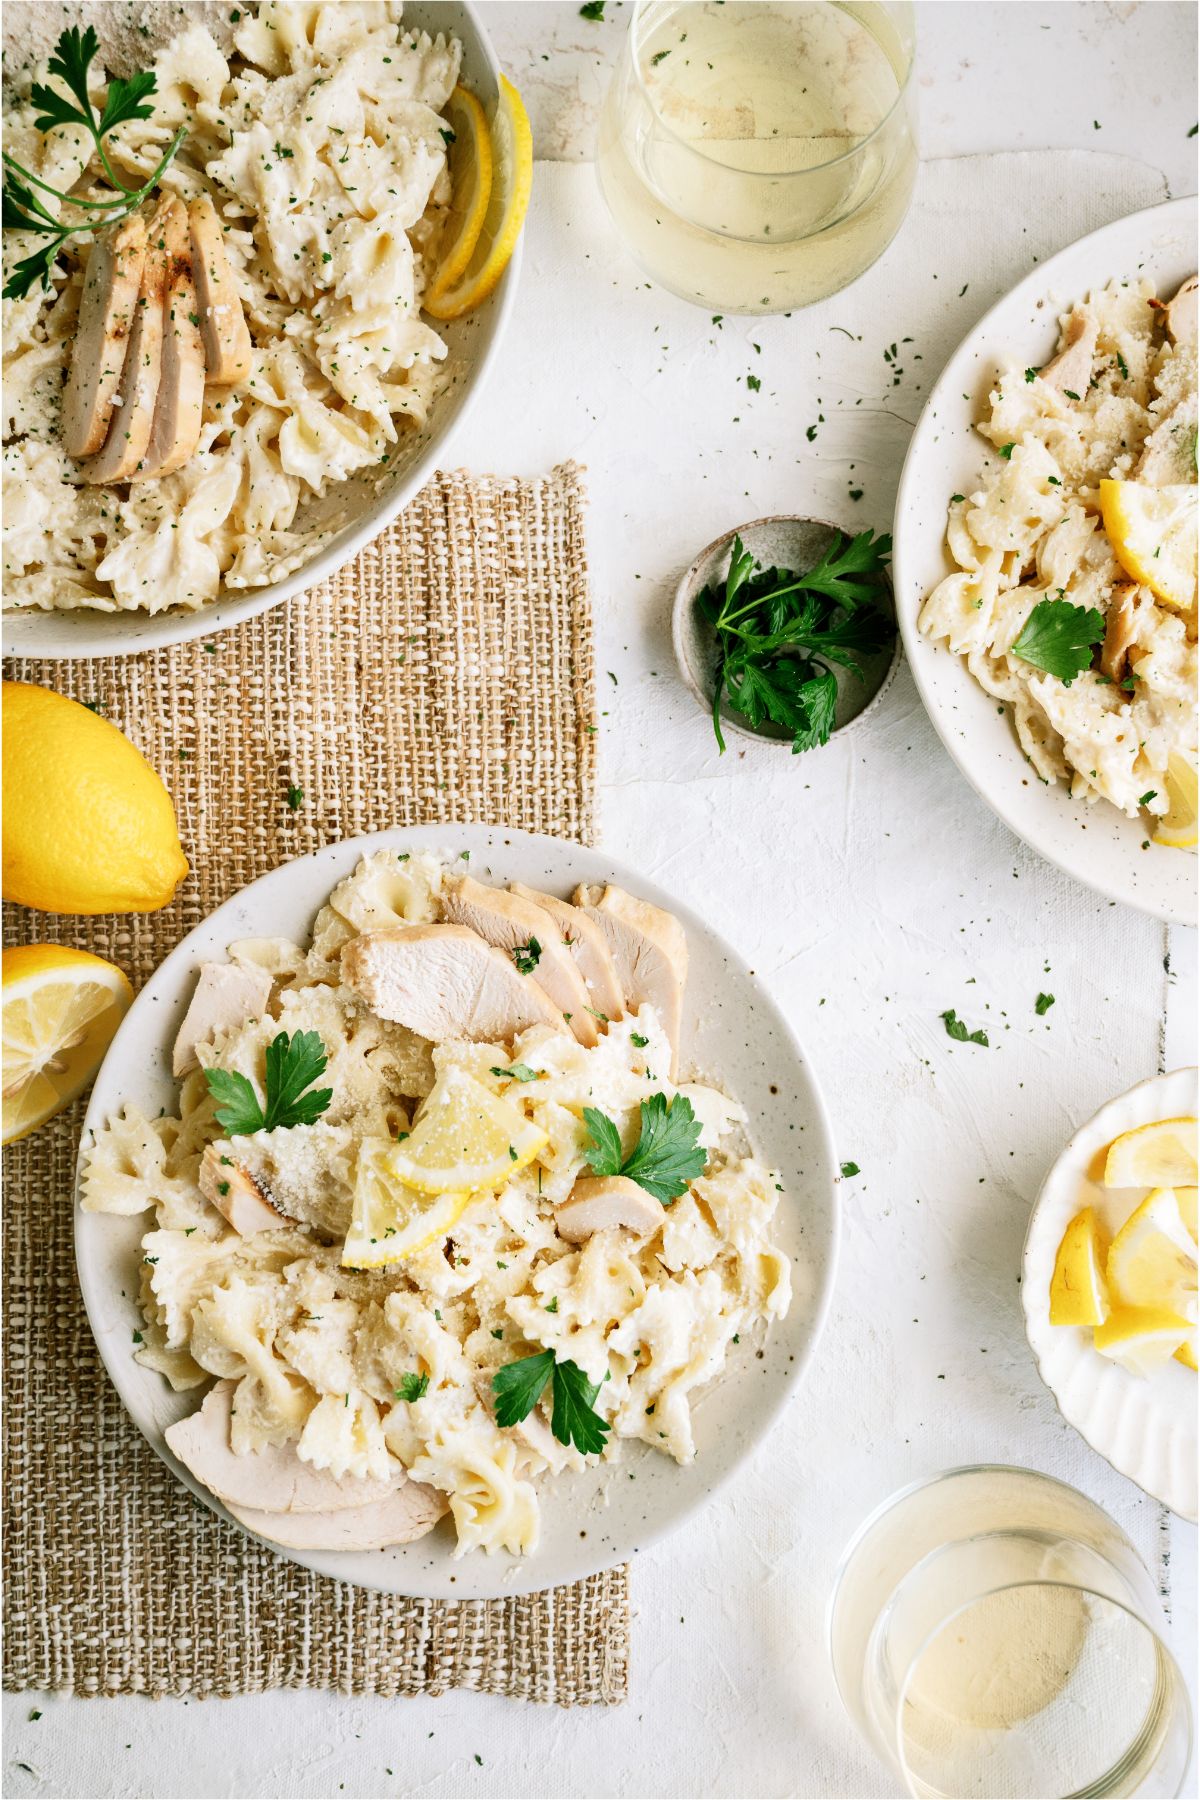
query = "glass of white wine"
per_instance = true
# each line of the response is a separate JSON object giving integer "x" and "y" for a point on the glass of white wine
{"x": 994, "y": 1633}
{"x": 755, "y": 156}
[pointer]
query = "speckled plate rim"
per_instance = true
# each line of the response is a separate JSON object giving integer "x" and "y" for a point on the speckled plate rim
{"x": 1145, "y": 1428}
{"x": 1097, "y": 845}
{"x": 475, "y": 341}
{"x": 606, "y": 1515}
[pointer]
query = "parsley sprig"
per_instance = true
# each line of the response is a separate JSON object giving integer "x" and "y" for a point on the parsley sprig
{"x": 666, "y": 1157}
{"x": 780, "y": 634}
{"x": 1059, "y": 637}
{"x": 519, "y": 1385}
{"x": 292, "y": 1065}
{"x": 123, "y": 101}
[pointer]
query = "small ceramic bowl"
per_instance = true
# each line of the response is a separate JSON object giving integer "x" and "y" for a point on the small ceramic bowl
{"x": 782, "y": 542}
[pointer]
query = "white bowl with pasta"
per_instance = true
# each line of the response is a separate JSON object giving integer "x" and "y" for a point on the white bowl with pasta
{"x": 733, "y": 1036}
{"x": 293, "y": 537}
{"x": 1097, "y": 843}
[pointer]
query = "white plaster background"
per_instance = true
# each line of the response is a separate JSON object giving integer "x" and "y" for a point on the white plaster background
{"x": 867, "y": 884}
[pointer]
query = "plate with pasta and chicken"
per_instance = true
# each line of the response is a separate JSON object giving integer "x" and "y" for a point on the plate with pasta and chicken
{"x": 455, "y": 1212}
{"x": 1046, "y": 556}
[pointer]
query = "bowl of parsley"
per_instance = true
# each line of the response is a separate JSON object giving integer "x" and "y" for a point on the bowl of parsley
{"x": 785, "y": 630}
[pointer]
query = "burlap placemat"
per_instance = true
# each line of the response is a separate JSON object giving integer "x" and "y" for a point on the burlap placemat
{"x": 446, "y": 675}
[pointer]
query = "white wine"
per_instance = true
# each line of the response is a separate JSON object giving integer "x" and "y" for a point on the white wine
{"x": 757, "y": 157}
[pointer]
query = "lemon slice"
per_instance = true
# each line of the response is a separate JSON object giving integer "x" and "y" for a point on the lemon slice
{"x": 1152, "y": 1261}
{"x": 1186, "y": 1197}
{"x": 1153, "y": 534}
{"x": 1158, "y": 1155}
{"x": 471, "y": 187}
{"x": 1078, "y": 1294}
{"x": 391, "y": 1221}
{"x": 465, "y": 1138}
{"x": 1141, "y": 1339}
{"x": 61, "y": 1009}
{"x": 451, "y": 295}
{"x": 1177, "y": 826}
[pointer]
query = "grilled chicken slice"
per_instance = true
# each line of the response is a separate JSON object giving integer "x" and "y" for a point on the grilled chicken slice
{"x": 1070, "y": 371}
{"x": 408, "y": 1512}
{"x": 270, "y": 1480}
{"x": 586, "y": 943}
{"x": 228, "y": 353}
{"x": 649, "y": 952}
{"x": 1181, "y": 312}
{"x": 607, "y": 1203}
{"x": 1120, "y": 629}
{"x": 110, "y": 293}
{"x": 515, "y": 925}
{"x": 236, "y": 1195}
{"x": 179, "y": 408}
{"x": 226, "y": 996}
{"x": 133, "y": 409}
{"x": 443, "y": 981}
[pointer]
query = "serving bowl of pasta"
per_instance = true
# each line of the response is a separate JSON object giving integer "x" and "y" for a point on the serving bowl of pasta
{"x": 541, "y": 1375}
{"x": 1059, "y": 678}
{"x": 313, "y": 165}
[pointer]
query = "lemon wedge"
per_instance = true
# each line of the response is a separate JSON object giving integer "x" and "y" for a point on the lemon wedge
{"x": 1186, "y": 1196}
{"x": 61, "y": 1010}
{"x": 1078, "y": 1294}
{"x": 1140, "y": 1338}
{"x": 391, "y": 1221}
{"x": 465, "y": 1138}
{"x": 471, "y": 187}
{"x": 1153, "y": 534}
{"x": 456, "y": 290}
{"x": 1159, "y": 1155}
{"x": 1152, "y": 1260}
{"x": 1177, "y": 826}
{"x": 1186, "y": 1353}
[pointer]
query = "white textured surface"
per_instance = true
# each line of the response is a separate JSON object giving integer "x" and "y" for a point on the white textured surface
{"x": 871, "y": 887}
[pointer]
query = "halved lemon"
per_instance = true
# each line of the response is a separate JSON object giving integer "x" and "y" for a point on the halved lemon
{"x": 391, "y": 1221}
{"x": 61, "y": 1010}
{"x": 455, "y": 292}
{"x": 1152, "y": 1259}
{"x": 1177, "y": 826}
{"x": 1078, "y": 1294}
{"x": 1153, "y": 534}
{"x": 1141, "y": 1339}
{"x": 1159, "y": 1155}
{"x": 465, "y": 1138}
{"x": 471, "y": 187}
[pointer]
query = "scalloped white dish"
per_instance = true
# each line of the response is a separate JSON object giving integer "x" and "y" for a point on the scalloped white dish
{"x": 732, "y": 1031}
{"x": 1145, "y": 1427}
{"x": 1097, "y": 845}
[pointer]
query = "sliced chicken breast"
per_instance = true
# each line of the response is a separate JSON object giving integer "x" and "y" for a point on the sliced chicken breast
{"x": 106, "y": 309}
{"x": 179, "y": 408}
{"x": 228, "y": 352}
{"x": 236, "y": 1195}
{"x": 1181, "y": 312}
{"x": 587, "y": 945}
{"x": 133, "y": 408}
{"x": 520, "y": 927}
{"x": 1071, "y": 370}
{"x": 1120, "y": 629}
{"x": 270, "y": 1480}
{"x": 443, "y": 981}
{"x": 607, "y": 1203}
{"x": 226, "y": 996}
{"x": 407, "y": 1513}
{"x": 649, "y": 951}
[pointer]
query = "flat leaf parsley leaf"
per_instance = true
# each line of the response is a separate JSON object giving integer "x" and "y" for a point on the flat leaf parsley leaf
{"x": 527, "y": 956}
{"x": 412, "y": 1387}
{"x": 958, "y": 1031}
{"x": 292, "y": 1065}
{"x": 1043, "y": 1004}
{"x": 518, "y": 1072}
{"x": 518, "y": 1387}
{"x": 1059, "y": 638}
{"x": 666, "y": 1157}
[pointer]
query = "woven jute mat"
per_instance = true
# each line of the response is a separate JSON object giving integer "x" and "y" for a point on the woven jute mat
{"x": 444, "y": 676}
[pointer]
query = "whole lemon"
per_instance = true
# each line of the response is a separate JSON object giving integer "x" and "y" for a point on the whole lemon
{"x": 88, "y": 825}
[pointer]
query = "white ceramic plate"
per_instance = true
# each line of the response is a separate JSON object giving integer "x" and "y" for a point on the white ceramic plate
{"x": 1145, "y": 1427}
{"x": 1097, "y": 845}
{"x": 366, "y": 503}
{"x": 732, "y": 1031}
